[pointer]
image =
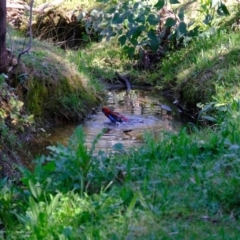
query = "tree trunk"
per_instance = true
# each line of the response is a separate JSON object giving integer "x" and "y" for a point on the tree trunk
{"x": 3, "y": 50}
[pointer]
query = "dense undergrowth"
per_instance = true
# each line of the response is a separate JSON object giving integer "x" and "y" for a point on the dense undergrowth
{"x": 182, "y": 186}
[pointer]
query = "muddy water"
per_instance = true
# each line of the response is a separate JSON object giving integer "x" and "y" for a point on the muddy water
{"x": 141, "y": 107}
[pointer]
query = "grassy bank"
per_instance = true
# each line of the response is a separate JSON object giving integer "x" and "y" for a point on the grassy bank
{"x": 207, "y": 68}
{"x": 49, "y": 84}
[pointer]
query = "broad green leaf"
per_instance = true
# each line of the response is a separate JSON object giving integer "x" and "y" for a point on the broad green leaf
{"x": 152, "y": 34}
{"x": 85, "y": 37}
{"x": 3, "y": 181}
{"x": 125, "y": 6}
{"x": 152, "y": 19}
{"x": 50, "y": 166}
{"x": 147, "y": 9}
{"x": 209, "y": 118}
{"x": 154, "y": 41}
{"x": 34, "y": 208}
{"x": 172, "y": 36}
{"x": 135, "y": 31}
{"x": 133, "y": 41}
{"x": 186, "y": 40}
{"x": 174, "y": 1}
{"x": 126, "y": 14}
{"x": 140, "y": 19}
{"x": 131, "y": 19}
{"x": 182, "y": 29}
{"x": 170, "y": 22}
{"x": 181, "y": 14}
{"x": 35, "y": 189}
{"x": 117, "y": 19}
{"x": 222, "y": 10}
{"x": 57, "y": 149}
{"x": 131, "y": 206}
{"x": 159, "y": 4}
{"x": 129, "y": 51}
{"x": 53, "y": 204}
{"x": 111, "y": 10}
{"x": 194, "y": 32}
{"x": 122, "y": 39}
{"x": 208, "y": 19}
{"x": 234, "y": 147}
{"x": 136, "y": 5}
{"x": 32, "y": 188}
{"x": 110, "y": 34}
{"x": 207, "y": 107}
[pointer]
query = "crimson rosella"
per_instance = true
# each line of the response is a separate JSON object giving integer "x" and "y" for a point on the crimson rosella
{"x": 114, "y": 116}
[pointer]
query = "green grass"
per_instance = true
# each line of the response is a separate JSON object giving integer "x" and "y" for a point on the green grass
{"x": 199, "y": 70}
{"x": 179, "y": 187}
{"x": 71, "y": 4}
{"x": 101, "y": 59}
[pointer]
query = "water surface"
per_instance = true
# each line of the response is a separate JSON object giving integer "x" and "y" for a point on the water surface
{"x": 141, "y": 107}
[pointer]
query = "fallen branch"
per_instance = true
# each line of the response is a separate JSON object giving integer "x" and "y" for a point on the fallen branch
{"x": 124, "y": 81}
{"x": 64, "y": 115}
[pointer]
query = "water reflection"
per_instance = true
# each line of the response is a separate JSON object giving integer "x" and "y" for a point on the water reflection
{"x": 143, "y": 110}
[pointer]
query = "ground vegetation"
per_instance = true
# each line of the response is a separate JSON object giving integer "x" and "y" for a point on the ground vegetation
{"x": 183, "y": 185}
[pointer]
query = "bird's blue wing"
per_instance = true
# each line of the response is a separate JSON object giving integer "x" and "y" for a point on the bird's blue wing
{"x": 112, "y": 118}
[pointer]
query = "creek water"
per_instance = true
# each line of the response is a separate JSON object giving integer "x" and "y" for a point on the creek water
{"x": 146, "y": 111}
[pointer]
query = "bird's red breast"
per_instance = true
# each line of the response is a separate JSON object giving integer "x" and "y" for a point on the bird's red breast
{"x": 114, "y": 116}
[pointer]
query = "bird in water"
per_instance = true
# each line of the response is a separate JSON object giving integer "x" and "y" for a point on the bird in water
{"x": 114, "y": 116}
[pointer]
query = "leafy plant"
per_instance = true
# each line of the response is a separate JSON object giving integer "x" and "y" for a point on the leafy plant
{"x": 140, "y": 25}
{"x": 66, "y": 167}
{"x": 39, "y": 218}
{"x": 135, "y": 23}
{"x": 208, "y": 11}
{"x": 2, "y": 78}
{"x": 7, "y": 203}
{"x": 175, "y": 178}
{"x": 13, "y": 112}
{"x": 220, "y": 110}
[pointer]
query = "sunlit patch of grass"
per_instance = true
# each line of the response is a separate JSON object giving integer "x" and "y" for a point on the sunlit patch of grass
{"x": 70, "y": 4}
{"x": 101, "y": 60}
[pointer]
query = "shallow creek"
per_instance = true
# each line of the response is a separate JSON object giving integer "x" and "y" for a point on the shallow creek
{"x": 146, "y": 113}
